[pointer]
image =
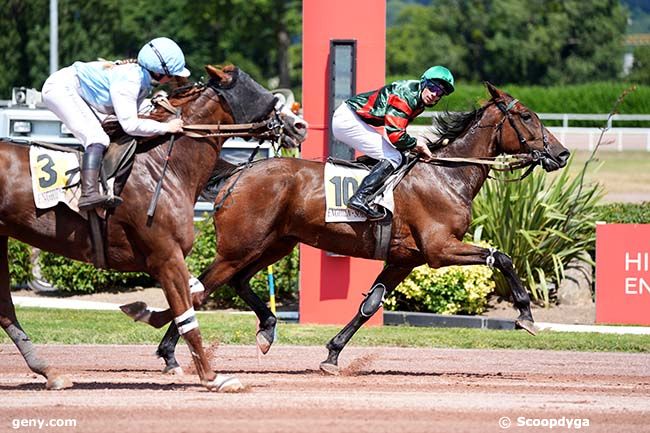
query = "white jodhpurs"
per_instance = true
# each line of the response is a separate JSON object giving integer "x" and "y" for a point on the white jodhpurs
{"x": 348, "y": 127}
{"x": 61, "y": 95}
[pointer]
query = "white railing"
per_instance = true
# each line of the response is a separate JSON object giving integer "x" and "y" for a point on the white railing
{"x": 585, "y": 138}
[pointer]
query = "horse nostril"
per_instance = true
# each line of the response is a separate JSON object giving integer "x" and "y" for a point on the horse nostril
{"x": 563, "y": 157}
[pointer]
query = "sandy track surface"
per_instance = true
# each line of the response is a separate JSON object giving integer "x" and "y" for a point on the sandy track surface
{"x": 120, "y": 389}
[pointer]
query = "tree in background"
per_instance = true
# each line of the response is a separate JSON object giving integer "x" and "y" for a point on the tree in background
{"x": 511, "y": 41}
{"x": 640, "y": 72}
{"x": 257, "y": 35}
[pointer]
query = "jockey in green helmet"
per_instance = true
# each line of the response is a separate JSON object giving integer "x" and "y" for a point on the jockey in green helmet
{"x": 392, "y": 107}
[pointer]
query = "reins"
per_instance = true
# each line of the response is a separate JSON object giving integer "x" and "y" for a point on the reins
{"x": 529, "y": 160}
{"x": 244, "y": 130}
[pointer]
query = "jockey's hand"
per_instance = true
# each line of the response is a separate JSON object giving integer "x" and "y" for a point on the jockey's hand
{"x": 424, "y": 152}
{"x": 175, "y": 125}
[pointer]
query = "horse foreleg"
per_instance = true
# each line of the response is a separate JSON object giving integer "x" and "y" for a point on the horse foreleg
{"x": 459, "y": 253}
{"x": 11, "y": 326}
{"x": 387, "y": 280}
{"x": 174, "y": 277}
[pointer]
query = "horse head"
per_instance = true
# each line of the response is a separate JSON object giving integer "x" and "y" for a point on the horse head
{"x": 231, "y": 96}
{"x": 250, "y": 102}
{"x": 521, "y": 132}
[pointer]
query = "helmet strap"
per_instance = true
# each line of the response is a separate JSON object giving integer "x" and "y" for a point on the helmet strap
{"x": 160, "y": 57}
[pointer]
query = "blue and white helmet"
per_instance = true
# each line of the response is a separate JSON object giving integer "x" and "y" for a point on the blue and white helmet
{"x": 163, "y": 56}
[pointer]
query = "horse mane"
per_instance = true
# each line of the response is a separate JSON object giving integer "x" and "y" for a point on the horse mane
{"x": 451, "y": 125}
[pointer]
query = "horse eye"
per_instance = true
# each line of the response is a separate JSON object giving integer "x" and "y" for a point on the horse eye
{"x": 526, "y": 116}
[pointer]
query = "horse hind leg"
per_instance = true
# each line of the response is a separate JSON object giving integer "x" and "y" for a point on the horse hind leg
{"x": 520, "y": 296}
{"x": 460, "y": 253}
{"x": 387, "y": 280}
{"x": 10, "y": 324}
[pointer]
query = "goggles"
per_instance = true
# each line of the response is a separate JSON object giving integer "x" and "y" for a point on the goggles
{"x": 435, "y": 88}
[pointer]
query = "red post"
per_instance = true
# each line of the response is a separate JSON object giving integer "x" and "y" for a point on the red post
{"x": 331, "y": 287}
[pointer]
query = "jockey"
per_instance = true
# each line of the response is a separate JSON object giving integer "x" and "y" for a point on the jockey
{"x": 77, "y": 92}
{"x": 393, "y": 106}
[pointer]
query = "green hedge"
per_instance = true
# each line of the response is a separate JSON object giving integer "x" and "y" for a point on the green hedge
{"x": 20, "y": 265}
{"x": 590, "y": 98}
{"x": 624, "y": 213}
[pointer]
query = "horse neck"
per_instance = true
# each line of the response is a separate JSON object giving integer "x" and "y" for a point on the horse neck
{"x": 199, "y": 156}
{"x": 478, "y": 142}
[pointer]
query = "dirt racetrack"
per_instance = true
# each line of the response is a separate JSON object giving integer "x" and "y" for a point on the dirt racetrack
{"x": 120, "y": 389}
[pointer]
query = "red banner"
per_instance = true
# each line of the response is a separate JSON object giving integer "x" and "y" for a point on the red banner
{"x": 623, "y": 274}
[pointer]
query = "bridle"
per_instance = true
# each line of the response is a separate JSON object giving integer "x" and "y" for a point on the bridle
{"x": 529, "y": 159}
{"x": 271, "y": 128}
{"x": 535, "y": 154}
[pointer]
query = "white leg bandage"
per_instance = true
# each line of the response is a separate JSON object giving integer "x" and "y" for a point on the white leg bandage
{"x": 186, "y": 322}
{"x": 196, "y": 285}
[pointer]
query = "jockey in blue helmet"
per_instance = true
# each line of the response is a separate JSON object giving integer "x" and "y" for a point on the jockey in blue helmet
{"x": 77, "y": 93}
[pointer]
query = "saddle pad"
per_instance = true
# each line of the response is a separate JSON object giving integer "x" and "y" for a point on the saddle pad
{"x": 341, "y": 183}
{"x": 54, "y": 176}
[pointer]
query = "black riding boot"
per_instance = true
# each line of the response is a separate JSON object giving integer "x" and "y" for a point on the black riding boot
{"x": 370, "y": 185}
{"x": 90, "y": 196}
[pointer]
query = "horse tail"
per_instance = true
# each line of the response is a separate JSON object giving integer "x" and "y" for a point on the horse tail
{"x": 221, "y": 171}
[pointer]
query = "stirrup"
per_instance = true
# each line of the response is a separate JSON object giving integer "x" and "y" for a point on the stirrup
{"x": 105, "y": 202}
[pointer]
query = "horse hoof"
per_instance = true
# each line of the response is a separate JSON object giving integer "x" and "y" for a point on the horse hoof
{"x": 174, "y": 371}
{"x": 263, "y": 343}
{"x": 223, "y": 383}
{"x": 134, "y": 310}
{"x": 331, "y": 369}
{"x": 58, "y": 382}
{"x": 526, "y": 324}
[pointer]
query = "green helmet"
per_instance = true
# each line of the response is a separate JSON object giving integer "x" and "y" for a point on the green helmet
{"x": 441, "y": 75}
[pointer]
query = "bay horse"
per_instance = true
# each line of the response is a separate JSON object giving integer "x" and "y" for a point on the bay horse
{"x": 277, "y": 203}
{"x": 133, "y": 244}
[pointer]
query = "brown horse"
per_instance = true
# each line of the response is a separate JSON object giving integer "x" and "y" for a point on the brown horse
{"x": 157, "y": 248}
{"x": 277, "y": 203}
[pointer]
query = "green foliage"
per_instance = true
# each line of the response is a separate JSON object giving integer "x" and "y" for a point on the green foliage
{"x": 450, "y": 290}
{"x": 20, "y": 265}
{"x": 624, "y": 213}
{"x": 254, "y": 34}
{"x": 71, "y": 276}
{"x": 542, "y": 224}
{"x": 511, "y": 41}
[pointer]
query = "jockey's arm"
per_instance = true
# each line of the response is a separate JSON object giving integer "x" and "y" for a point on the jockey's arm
{"x": 125, "y": 104}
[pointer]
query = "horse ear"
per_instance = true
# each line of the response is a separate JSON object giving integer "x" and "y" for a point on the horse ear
{"x": 496, "y": 93}
{"x": 213, "y": 72}
{"x": 219, "y": 74}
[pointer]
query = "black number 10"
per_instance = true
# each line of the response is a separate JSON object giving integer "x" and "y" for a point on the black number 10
{"x": 344, "y": 189}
